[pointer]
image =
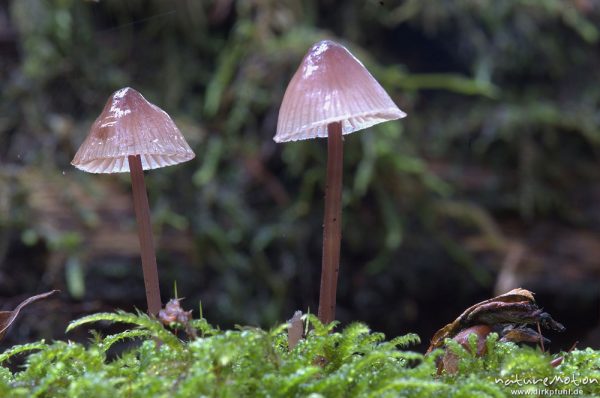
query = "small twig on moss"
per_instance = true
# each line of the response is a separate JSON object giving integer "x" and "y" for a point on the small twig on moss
{"x": 541, "y": 337}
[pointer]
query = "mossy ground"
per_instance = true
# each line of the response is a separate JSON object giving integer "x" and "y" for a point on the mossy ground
{"x": 251, "y": 362}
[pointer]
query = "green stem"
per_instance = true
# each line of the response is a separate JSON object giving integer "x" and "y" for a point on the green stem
{"x": 142, "y": 215}
{"x": 332, "y": 223}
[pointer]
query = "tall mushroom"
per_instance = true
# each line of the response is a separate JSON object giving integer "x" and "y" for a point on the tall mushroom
{"x": 332, "y": 94}
{"x": 131, "y": 134}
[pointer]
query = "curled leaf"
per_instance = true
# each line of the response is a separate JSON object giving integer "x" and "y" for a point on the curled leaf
{"x": 8, "y": 317}
{"x": 522, "y": 334}
{"x": 507, "y": 315}
{"x": 514, "y": 307}
{"x": 449, "y": 361}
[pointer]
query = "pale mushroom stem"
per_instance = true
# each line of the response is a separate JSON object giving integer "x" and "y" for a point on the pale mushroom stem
{"x": 142, "y": 215}
{"x": 332, "y": 223}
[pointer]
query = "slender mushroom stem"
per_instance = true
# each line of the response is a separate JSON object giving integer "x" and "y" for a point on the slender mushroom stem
{"x": 332, "y": 223}
{"x": 142, "y": 215}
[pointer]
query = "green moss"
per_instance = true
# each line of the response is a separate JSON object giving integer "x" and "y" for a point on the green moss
{"x": 251, "y": 362}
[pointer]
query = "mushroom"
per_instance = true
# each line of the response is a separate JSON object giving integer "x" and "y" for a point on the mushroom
{"x": 131, "y": 134}
{"x": 332, "y": 94}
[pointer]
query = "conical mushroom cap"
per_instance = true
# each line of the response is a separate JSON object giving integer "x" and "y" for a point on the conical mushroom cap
{"x": 130, "y": 125}
{"x": 331, "y": 85}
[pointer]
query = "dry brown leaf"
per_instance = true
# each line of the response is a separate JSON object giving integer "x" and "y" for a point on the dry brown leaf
{"x": 451, "y": 329}
{"x": 507, "y": 314}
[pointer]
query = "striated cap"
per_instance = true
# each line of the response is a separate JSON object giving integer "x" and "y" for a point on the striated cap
{"x": 331, "y": 85}
{"x": 130, "y": 125}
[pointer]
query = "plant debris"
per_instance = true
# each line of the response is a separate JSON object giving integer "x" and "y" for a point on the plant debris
{"x": 295, "y": 330}
{"x": 175, "y": 317}
{"x": 507, "y": 314}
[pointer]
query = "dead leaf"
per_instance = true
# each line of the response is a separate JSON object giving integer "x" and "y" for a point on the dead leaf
{"x": 449, "y": 361}
{"x": 507, "y": 314}
{"x": 8, "y": 317}
{"x": 470, "y": 315}
{"x": 523, "y": 335}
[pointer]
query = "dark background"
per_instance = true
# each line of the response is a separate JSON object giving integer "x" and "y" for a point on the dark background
{"x": 491, "y": 182}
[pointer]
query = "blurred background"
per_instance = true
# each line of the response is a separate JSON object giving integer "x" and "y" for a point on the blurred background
{"x": 491, "y": 182}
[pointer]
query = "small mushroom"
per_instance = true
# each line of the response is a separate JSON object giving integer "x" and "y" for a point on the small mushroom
{"x": 332, "y": 94}
{"x": 132, "y": 135}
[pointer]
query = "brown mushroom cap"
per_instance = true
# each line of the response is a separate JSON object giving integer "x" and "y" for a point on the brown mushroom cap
{"x": 130, "y": 125}
{"x": 331, "y": 85}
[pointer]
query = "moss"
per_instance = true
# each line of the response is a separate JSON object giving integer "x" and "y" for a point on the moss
{"x": 251, "y": 362}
